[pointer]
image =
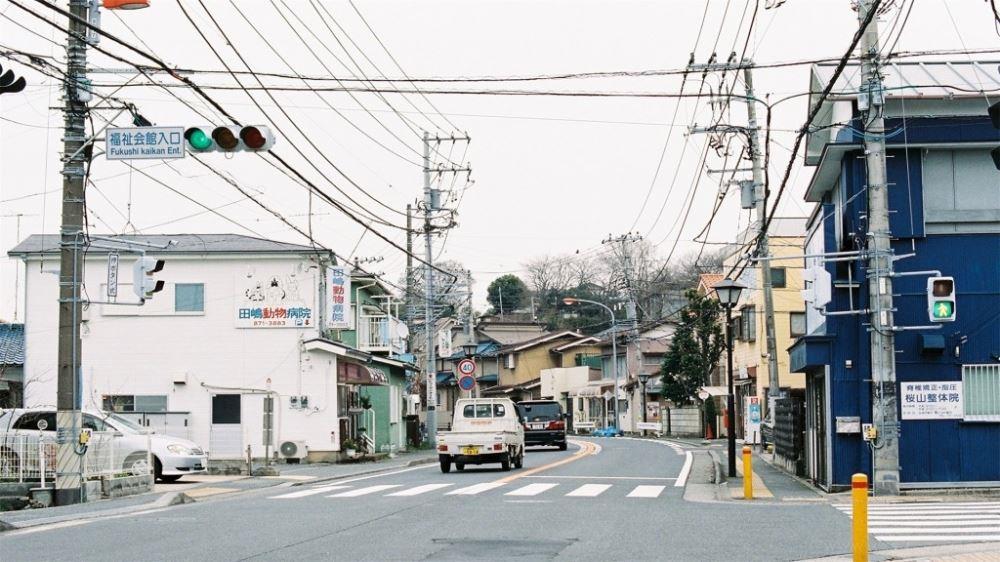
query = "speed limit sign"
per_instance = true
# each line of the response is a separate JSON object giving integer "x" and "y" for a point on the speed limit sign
{"x": 467, "y": 366}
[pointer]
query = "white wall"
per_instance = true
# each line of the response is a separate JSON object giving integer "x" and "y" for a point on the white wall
{"x": 140, "y": 350}
{"x": 564, "y": 379}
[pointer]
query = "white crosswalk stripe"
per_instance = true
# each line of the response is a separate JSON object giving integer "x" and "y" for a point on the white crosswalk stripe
{"x": 588, "y": 491}
{"x": 307, "y": 492}
{"x": 419, "y": 490}
{"x": 646, "y": 492}
{"x": 932, "y": 522}
{"x": 531, "y": 490}
{"x": 365, "y": 491}
{"x": 475, "y": 489}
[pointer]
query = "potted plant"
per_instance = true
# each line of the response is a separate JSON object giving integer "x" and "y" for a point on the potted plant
{"x": 350, "y": 447}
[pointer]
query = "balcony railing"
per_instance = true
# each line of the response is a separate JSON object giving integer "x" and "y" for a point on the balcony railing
{"x": 381, "y": 333}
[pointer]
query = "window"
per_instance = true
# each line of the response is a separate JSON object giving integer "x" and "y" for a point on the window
{"x": 748, "y": 323}
{"x": 131, "y": 403}
{"x": 45, "y": 421}
{"x": 94, "y": 423}
{"x": 226, "y": 409}
{"x": 510, "y": 361}
{"x": 778, "y": 280}
{"x": 189, "y": 297}
{"x": 652, "y": 360}
{"x": 981, "y": 392}
{"x": 499, "y": 411}
{"x": 478, "y": 410}
{"x": 797, "y": 320}
{"x": 395, "y": 404}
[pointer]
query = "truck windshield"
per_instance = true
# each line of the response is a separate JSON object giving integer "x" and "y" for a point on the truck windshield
{"x": 541, "y": 411}
{"x": 483, "y": 411}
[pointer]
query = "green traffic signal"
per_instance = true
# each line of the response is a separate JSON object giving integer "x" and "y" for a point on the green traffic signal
{"x": 943, "y": 310}
{"x": 198, "y": 139}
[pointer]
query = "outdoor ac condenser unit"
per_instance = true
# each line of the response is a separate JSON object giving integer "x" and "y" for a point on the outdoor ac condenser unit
{"x": 293, "y": 449}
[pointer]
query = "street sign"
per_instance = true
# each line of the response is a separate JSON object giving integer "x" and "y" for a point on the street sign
{"x": 466, "y": 382}
{"x": 651, "y": 426}
{"x": 112, "y": 275}
{"x": 467, "y": 366}
{"x": 144, "y": 143}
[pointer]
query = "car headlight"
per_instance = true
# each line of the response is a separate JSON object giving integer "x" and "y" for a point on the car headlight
{"x": 178, "y": 449}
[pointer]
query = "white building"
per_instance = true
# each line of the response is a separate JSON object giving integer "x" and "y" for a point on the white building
{"x": 238, "y": 320}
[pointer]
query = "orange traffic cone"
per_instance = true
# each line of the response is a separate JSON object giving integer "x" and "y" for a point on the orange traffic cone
{"x": 708, "y": 432}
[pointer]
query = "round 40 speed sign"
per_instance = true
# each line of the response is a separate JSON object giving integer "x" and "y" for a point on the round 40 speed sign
{"x": 467, "y": 367}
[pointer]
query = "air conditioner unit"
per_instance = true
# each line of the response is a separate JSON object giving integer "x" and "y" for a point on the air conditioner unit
{"x": 296, "y": 450}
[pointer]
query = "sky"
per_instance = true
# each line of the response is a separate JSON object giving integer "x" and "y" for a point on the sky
{"x": 550, "y": 175}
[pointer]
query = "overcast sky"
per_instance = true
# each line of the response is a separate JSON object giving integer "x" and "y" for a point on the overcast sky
{"x": 553, "y": 175}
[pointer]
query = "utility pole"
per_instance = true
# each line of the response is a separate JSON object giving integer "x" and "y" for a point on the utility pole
{"x": 885, "y": 479}
{"x": 408, "y": 297}
{"x": 432, "y": 204}
{"x": 630, "y": 314}
{"x": 760, "y": 200}
{"x": 69, "y": 461}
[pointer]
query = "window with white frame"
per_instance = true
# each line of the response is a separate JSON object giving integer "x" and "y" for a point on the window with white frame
{"x": 981, "y": 392}
{"x": 510, "y": 361}
{"x": 797, "y": 322}
{"x": 189, "y": 297}
{"x": 395, "y": 402}
{"x": 134, "y": 403}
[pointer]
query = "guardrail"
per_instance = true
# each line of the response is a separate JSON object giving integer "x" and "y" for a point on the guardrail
{"x": 31, "y": 456}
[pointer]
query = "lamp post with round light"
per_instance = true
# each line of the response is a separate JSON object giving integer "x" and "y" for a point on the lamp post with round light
{"x": 728, "y": 292}
{"x": 570, "y": 301}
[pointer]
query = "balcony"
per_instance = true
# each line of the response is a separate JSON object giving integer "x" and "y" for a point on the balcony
{"x": 382, "y": 333}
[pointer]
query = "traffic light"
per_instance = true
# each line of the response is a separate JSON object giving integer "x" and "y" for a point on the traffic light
{"x": 143, "y": 283}
{"x": 252, "y": 138}
{"x": 941, "y": 299}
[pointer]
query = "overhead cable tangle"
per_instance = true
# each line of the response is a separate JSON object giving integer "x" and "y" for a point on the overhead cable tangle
{"x": 201, "y": 93}
{"x": 294, "y": 124}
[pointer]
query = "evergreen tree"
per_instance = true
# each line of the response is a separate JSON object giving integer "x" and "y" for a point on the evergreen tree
{"x": 694, "y": 350}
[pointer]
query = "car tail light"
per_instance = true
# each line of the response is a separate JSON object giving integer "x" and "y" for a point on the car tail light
{"x": 498, "y": 446}
{"x": 443, "y": 448}
{"x": 557, "y": 424}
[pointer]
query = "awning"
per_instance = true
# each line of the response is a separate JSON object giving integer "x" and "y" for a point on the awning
{"x": 353, "y": 373}
{"x": 714, "y": 390}
{"x": 446, "y": 378}
{"x": 487, "y": 379}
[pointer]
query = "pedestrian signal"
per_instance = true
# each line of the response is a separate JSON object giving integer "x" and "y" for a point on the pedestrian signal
{"x": 941, "y": 299}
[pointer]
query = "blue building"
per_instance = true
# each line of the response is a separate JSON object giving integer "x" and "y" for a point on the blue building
{"x": 944, "y": 198}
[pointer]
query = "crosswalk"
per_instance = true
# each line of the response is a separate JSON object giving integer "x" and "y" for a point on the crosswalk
{"x": 933, "y": 522}
{"x": 509, "y": 489}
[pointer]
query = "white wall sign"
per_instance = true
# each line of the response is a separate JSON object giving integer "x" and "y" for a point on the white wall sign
{"x": 931, "y": 400}
{"x": 338, "y": 298}
{"x": 112, "y": 275}
{"x": 272, "y": 298}
{"x": 144, "y": 143}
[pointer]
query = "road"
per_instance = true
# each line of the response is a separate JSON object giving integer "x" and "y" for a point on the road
{"x": 603, "y": 499}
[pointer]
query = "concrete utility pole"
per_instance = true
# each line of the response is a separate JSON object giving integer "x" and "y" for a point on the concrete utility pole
{"x": 773, "y": 391}
{"x": 885, "y": 479}
{"x": 432, "y": 204}
{"x": 69, "y": 462}
{"x": 630, "y": 310}
{"x": 408, "y": 297}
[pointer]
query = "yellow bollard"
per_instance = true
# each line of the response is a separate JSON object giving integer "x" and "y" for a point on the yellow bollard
{"x": 859, "y": 511}
{"x": 747, "y": 474}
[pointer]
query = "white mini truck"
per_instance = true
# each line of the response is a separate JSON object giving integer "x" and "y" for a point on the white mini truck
{"x": 484, "y": 430}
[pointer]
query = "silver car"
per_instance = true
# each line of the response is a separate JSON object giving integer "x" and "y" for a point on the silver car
{"x": 172, "y": 457}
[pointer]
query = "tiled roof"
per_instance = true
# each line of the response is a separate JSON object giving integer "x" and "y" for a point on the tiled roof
{"x": 179, "y": 244}
{"x": 11, "y": 344}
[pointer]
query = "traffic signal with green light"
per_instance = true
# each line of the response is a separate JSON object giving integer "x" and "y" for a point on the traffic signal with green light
{"x": 252, "y": 138}
{"x": 941, "y": 299}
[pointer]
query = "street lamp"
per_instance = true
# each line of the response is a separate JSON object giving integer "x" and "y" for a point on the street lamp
{"x": 728, "y": 292}
{"x": 570, "y": 301}
{"x": 643, "y": 378}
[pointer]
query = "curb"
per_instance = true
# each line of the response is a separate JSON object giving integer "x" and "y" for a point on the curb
{"x": 166, "y": 500}
{"x": 415, "y": 462}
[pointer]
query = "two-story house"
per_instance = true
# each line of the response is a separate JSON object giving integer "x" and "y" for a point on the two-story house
{"x": 751, "y": 377}
{"x": 239, "y": 319}
{"x": 521, "y": 365}
{"x": 944, "y": 218}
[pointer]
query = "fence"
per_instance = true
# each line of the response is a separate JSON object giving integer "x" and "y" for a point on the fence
{"x": 31, "y": 456}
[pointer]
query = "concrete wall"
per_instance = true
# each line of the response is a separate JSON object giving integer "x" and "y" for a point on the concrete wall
{"x": 686, "y": 421}
{"x": 143, "y": 350}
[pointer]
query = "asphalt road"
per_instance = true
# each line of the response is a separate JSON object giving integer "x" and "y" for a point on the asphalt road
{"x": 603, "y": 499}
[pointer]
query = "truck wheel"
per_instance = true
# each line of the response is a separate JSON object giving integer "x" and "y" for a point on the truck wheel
{"x": 519, "y": 459}
{"x": 505, "y": 462}
{"x": 460, "y": 466}
{"x": 445, "y": 463}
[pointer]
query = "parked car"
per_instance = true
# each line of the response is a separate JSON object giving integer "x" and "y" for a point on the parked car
{"x": 544, "y": 423}
{"x": 172, "y": 457}
{"x": 483, "y": 430}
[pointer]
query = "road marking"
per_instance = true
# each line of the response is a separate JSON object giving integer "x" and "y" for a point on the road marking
{"x": 674, "y": 446}
{"x": 299, "y": 477}
{"x": 685, "y": 470}
{"x": 531, "y": 490}
{"x": 933, "y": 522}
{"x": 923, "y": 523}
{"x": 475, "y": 489}
{"x": 604, "y": 477}
{"x": 589, "y": 491}
{"x": 587, "y": 448}
{"x": 932, "y": 513}
{"x": 896, "y": 530}
{"x": 419, "y": 490}
{"x": 308, "y": 492}
{"x": 365, "y": 491}
{"x": 934, "y": 538}
{"x": 646, "y": 492}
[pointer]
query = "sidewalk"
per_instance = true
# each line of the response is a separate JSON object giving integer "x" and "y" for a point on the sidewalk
{"x": 200, "y": 487}
{"x": 980, "y": 552}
